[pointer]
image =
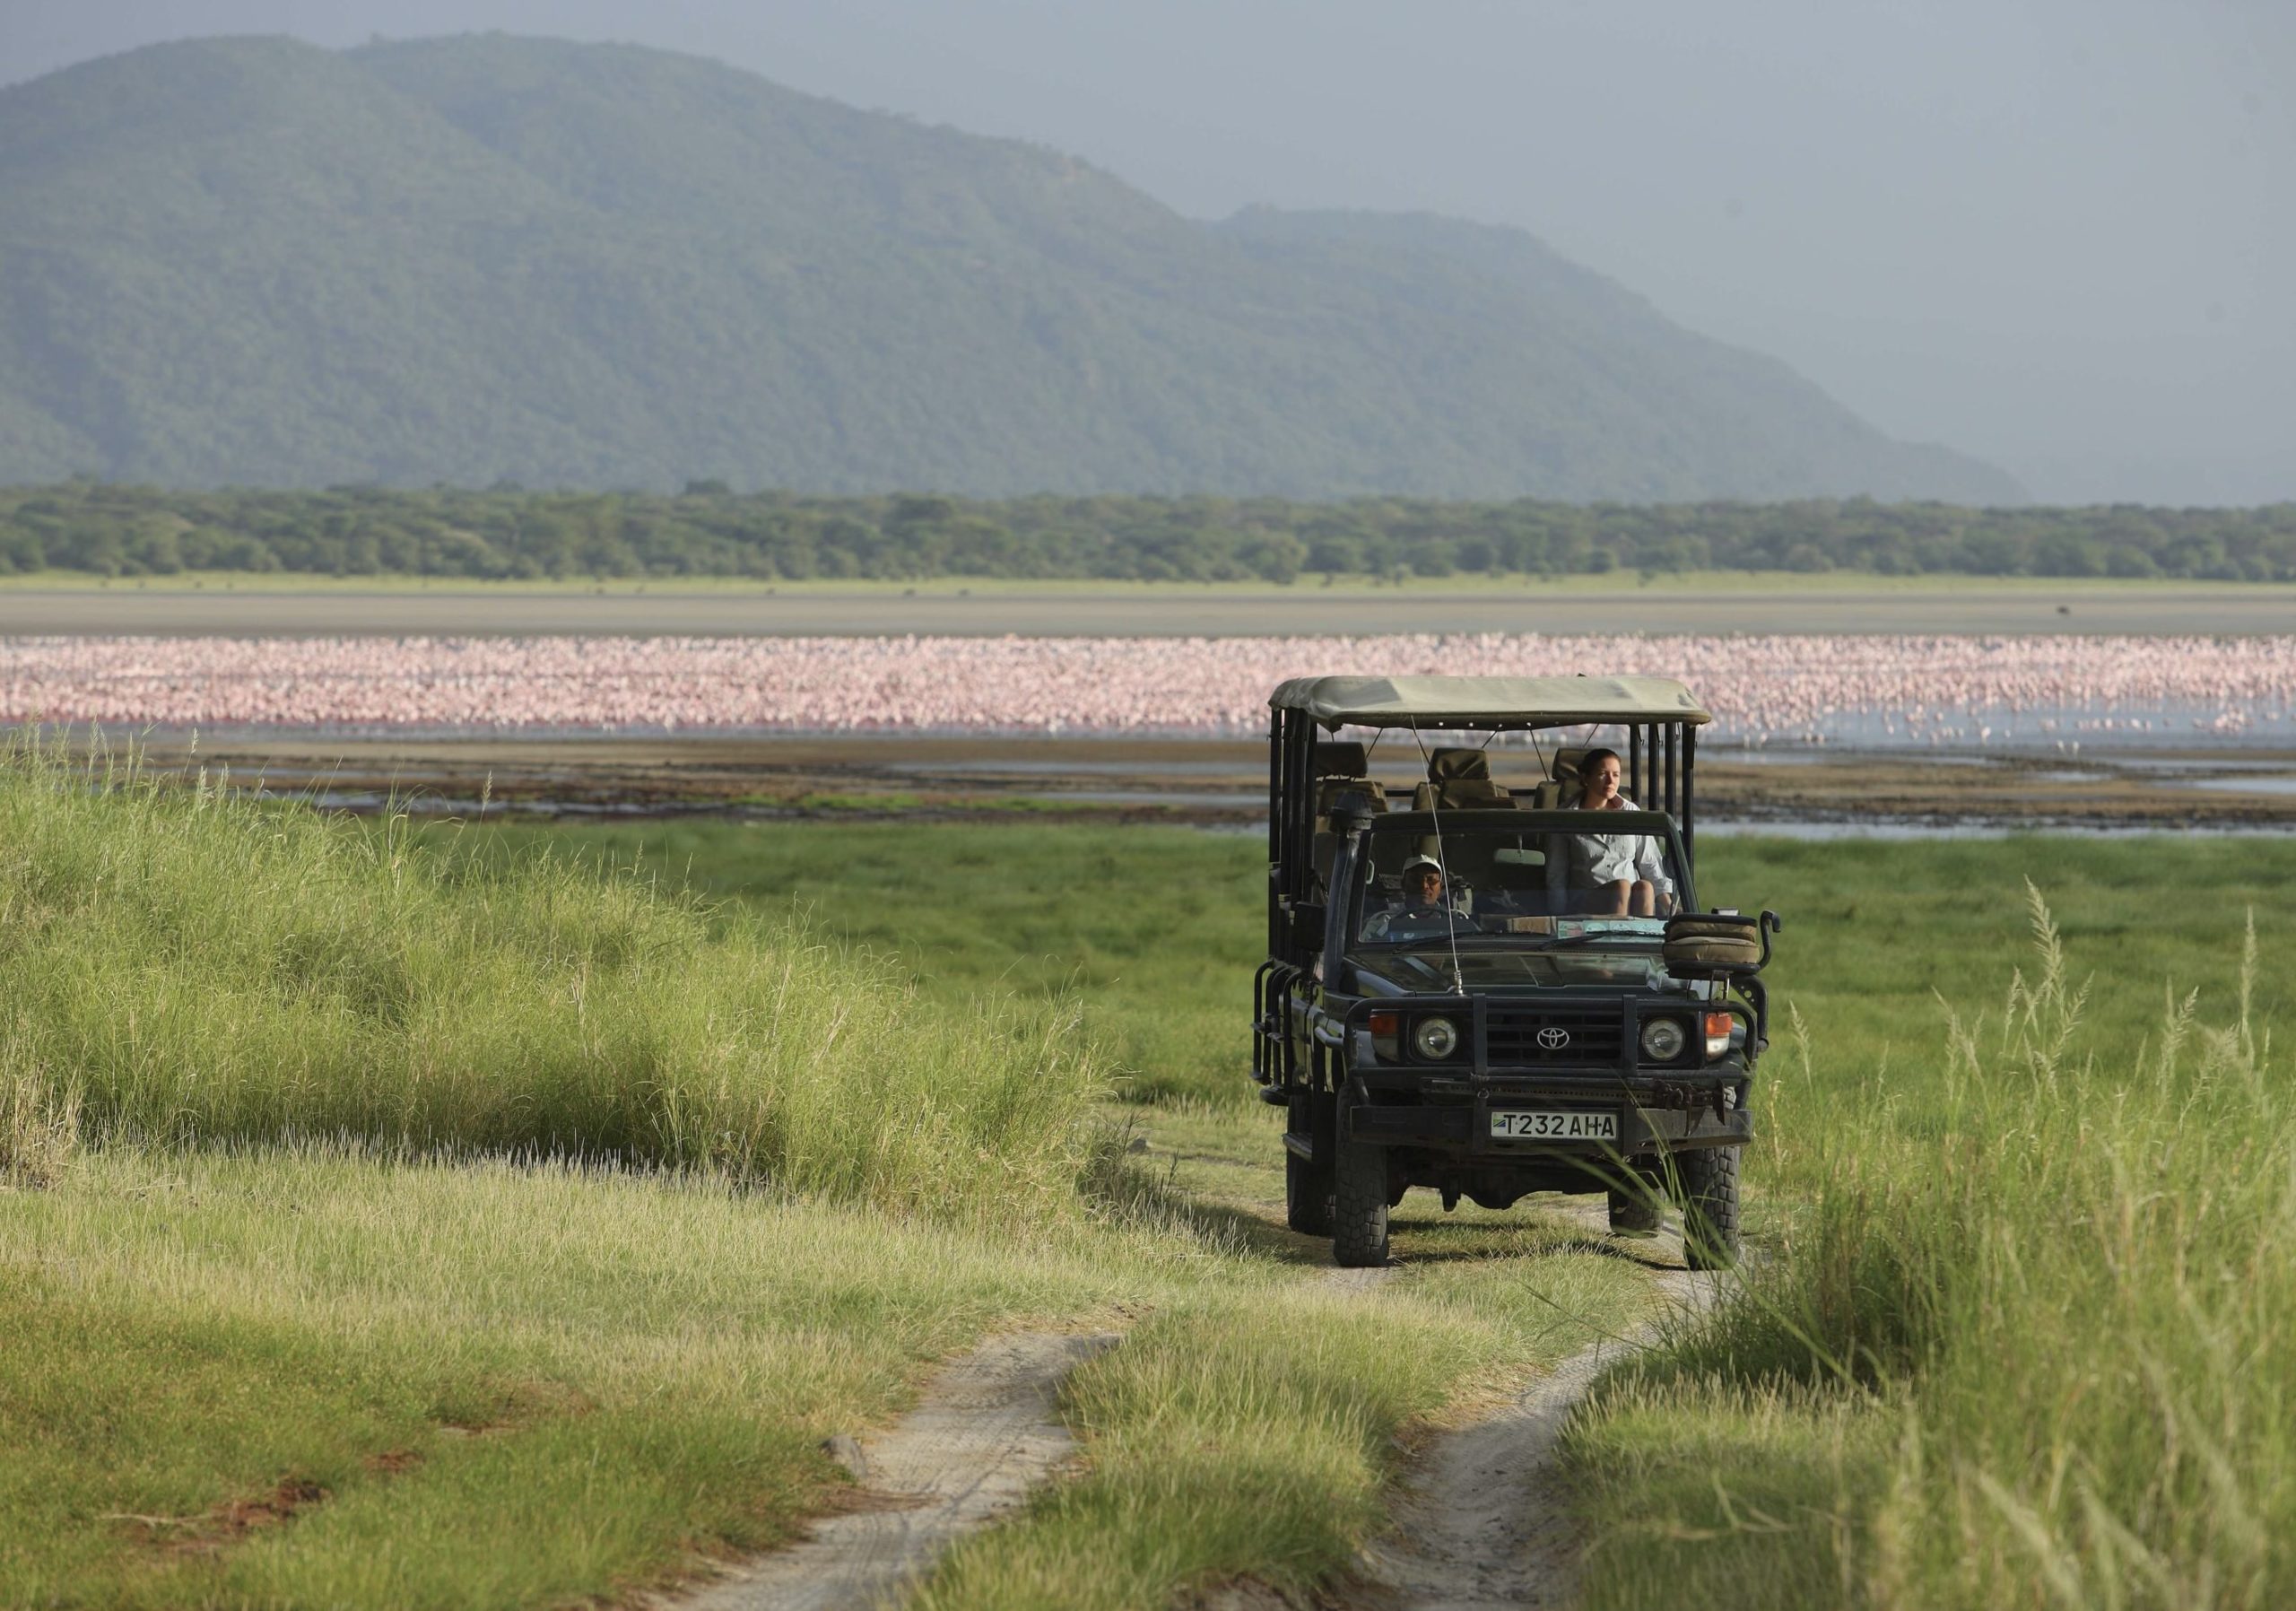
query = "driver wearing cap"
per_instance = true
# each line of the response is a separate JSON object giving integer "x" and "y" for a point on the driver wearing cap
{"x": 1424, "y": 910}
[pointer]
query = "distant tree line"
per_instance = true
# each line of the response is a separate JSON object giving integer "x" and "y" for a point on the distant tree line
{"x": 511, "y": 533}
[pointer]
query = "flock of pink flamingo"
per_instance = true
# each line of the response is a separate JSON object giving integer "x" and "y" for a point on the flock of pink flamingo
{"x": 1957, "y": 691}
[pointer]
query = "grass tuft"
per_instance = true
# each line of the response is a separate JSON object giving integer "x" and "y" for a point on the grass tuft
{"x": 1259, "y": 1434}
{"x": 216, "y": 970}
{"x": 2026, "y": 1359}
{"x": 39, "y": 1120}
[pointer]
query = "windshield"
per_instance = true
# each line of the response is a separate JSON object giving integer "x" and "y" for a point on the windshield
{"x": 1533, "y": 888}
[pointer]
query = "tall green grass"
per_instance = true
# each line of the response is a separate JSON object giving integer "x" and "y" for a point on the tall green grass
{"x": 1153, "y": 932}
{"x": 2029, "y": 1347}
{"x": 195, "y": 966}
{"x": 505, "y": 1380}
{"x": 494, "y": 1383}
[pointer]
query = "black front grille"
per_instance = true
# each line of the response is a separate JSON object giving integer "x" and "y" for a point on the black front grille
{"x": 1528, "y": 1037}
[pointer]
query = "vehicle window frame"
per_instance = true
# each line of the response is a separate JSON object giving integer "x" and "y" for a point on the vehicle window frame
{"x": 1423, "y": 824}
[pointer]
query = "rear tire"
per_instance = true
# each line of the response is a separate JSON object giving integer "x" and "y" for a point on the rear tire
{"x": 1708, "y": 1182}
{"x": 1359, "y": 1206}
{"x": 1307, "y": 1184}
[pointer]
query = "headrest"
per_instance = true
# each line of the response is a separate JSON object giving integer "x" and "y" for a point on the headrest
{"x": 1337, "y": 758}
{"x": 1467, "y": 794}
{"x": 1566, "y": 763}
{"x": 1451, "y": 766}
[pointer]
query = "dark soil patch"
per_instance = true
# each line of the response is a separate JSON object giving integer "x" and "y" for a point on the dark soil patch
{"x": 225, "y": 1524}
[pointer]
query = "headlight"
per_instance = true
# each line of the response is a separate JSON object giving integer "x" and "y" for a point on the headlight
{"x": 1663, "y": 1040}
{"x": 1435, "y": 1039}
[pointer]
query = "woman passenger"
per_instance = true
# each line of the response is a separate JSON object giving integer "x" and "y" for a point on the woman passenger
{"x": 1619, "y": 874}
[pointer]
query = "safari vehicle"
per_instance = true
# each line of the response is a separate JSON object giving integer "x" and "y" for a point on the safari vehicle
{"x": 1520, "y": 1033}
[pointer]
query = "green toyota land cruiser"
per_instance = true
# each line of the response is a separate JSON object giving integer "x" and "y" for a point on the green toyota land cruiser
{"x": 1504, "y": 984}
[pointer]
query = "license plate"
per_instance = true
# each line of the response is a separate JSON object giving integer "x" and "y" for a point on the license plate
{"x": 1552, "y": 1125}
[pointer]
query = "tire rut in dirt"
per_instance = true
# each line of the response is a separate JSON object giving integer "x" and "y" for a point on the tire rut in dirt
{"x": 1487, "y": 1522}
{"x": 987, "y": 1431}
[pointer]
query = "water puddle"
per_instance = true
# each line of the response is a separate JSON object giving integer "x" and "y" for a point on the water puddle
{"x": 1177, "y": 799}
{"x": 2242, "y": 786}
{"x": 1883, "y": 829}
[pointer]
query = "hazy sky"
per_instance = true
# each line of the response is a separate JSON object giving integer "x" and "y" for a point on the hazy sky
{"x": 2060, "y": 234}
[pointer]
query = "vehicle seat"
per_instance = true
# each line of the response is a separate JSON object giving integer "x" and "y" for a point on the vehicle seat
{"x": 1517, "y": 888}
{"x": 1560, "y": 789}
{"x": 1343, "y": 769}
{"x": 1459, "y": 779}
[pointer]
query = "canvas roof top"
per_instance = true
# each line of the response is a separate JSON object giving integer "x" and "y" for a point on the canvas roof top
{"x": 1434, "y": 702}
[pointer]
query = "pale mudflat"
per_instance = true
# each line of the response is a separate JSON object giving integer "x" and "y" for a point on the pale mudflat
{"x": 1183, "y": 781}
{"x": 1962, "y": 606}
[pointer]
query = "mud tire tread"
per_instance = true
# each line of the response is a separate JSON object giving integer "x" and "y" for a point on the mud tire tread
{"x": 1709, "y": 1183}
{"x": 1359, "y": 1202}
{"x": 1634, "y": 1213}
{"x": 1307, "y": 1186}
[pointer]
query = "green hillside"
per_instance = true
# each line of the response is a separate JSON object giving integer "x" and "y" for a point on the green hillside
{"x": 255, "y": 262}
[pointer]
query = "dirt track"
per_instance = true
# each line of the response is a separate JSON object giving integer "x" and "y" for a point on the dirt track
{"x": 1487, "y": 1524}
{"x": 988, "y": 1430}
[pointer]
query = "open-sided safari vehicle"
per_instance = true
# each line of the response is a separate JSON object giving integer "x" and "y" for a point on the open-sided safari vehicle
{"x": 1546, "y": 1008}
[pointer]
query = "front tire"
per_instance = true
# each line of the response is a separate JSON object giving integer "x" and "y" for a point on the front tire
{"x": 1358, "y": 1205}
{"x": 1635, "y": 1208}
{"x": 1707, "y": 1180}
{"x": 1307, "y": 1183}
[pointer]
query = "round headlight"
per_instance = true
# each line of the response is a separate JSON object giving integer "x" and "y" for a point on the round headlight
{"x": 1663, "y": 1040}
{"x": 1436, "y": 1038}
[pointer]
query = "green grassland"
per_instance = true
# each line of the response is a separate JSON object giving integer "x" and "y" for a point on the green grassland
{"x": 317, "y": 1299}
{"x": 1154, "y": 932}
{"x": 1140, "y": 933}
{"x": 520, "y": 1384}
{"x": 502, "y": 1218}
{"x": 2019, "y": 1340}
{"x": 2021, "y": 1212}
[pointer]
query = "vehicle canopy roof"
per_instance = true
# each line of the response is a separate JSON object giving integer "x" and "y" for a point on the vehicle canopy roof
{"x": 1442, "y": 702}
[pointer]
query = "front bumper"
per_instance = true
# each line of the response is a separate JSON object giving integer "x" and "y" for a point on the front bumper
{"x": 1460, "y": 1126}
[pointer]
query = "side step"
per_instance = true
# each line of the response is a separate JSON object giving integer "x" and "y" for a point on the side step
{"x": 1299, "y": 1146}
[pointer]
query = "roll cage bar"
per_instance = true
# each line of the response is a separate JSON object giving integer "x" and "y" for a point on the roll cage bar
{"x": 1659, "y": 715}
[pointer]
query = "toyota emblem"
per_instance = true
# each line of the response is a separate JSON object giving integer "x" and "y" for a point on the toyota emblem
{"x": 1552, "y": 1039}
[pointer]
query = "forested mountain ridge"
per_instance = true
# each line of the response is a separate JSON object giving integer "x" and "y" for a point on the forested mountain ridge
{"x": 255, "y": 262}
